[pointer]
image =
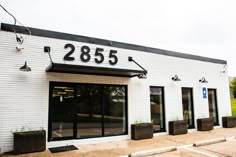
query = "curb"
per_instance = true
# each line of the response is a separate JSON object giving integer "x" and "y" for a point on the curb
{"x": 203, "y": 143}
{"x": 152, "y": 152}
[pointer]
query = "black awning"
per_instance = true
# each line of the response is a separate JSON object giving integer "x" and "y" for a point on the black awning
{"x": 79, "y": 69}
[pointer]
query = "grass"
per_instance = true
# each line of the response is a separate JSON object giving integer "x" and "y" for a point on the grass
{"x": 233, "y": 107}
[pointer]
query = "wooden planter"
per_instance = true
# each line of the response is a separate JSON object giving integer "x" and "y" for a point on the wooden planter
{"x": 229, "y": 122}
{"x": 30, "y": 141}
{"x": 205, "y": 124}
{"x": 178, "y": 127}
{"x": 141, "y": 131}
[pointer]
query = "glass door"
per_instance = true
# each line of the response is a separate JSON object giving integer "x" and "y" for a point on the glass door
{"x": 62, "y": 113}
{"x": 86, "y": 110}
{"x": 187, "y": 102}
{"x": 89, "y": 111}
{"x": 213, "y": 112}
{"x": 114, "y": 109}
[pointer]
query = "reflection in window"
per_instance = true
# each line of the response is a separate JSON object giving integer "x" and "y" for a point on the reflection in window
{"x": 157, "y": 108}
{"x": 213, "y": 105}
{"x": 187, "y": 102}
{"x": 62, "y": 103}
{"x": 114, "y": 110}
{"x": 89, "y": 112}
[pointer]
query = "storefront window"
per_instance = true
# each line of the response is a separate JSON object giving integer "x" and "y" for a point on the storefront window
{"x": 157, "y": 108}
{"x": 87, "y": 110}
{"x": 62, "y": 120}
{"x": 213, "y": 113}
{"x": 114, "y": 110}
{"x": 187, "y": 102}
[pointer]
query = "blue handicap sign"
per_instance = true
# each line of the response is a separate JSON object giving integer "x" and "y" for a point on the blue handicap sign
{"x": 204, "y": 92}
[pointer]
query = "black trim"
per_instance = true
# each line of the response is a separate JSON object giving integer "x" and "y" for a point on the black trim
{"x": 71, "y": 37}
{"x": 79, "y": 69}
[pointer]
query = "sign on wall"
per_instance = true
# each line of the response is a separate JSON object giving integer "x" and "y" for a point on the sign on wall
{"x": 204, "y": 92}
{"x": 85, "y": 54}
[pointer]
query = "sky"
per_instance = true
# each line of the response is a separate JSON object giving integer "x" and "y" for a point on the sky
{"x": 200, "y": 27}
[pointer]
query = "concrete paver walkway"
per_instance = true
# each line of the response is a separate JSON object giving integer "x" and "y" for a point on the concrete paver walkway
{"x": 125, "y": 147}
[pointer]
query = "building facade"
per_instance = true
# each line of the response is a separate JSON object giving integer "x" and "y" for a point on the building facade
{"x": 87, "y": 90}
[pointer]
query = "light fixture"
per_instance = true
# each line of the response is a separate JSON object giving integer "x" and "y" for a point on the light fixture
{"x": 203, "y": 80}
{"x": 176, "y": 78}
{"x": 144, "y": 74}
{"x": 25, "y": 67}
{"x": 224, "y": 69}
{"x": 19, "y": 48}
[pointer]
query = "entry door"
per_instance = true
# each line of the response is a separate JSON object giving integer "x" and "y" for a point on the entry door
{"x": 62, "y": 113}
{"x": 213, "y": 111}
{"x": 86, "y": 110}
{"x": 89, "y": 111}
{"x": 187, "y": 102}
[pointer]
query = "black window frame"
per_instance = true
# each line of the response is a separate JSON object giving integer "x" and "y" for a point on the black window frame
{"x": 74, "y": 84}
{"x": 163, "y": 108}
{"x": 192, "y": 102}
{"x": 216, "y": 106}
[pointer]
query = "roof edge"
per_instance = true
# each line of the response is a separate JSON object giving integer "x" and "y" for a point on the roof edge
{"x": 91, "y": 40}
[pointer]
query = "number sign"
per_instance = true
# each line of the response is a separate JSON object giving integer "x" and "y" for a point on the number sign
{"x": 85, "y": 55}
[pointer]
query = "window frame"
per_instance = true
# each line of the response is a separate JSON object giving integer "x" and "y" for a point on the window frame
{"x": 192, "y": 103}
{"x": 216, "y": 105}
{"x": 163, "y": 107}
{"x": 74, "y": 84}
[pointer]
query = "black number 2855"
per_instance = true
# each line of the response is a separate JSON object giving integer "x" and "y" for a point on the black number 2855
{"x": 85, "y": 55}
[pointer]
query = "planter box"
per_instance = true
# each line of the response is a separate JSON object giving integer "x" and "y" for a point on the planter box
{"x": 30, "y": 141}
{"x": 141, "y": 131}
{"x": 229, "y": 122}
{"x": 178, "y": 127}
{"x": 205, "y": 124}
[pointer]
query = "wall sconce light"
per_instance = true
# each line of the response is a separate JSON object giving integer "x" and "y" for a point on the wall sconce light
{"x": 142, "y": 76}
{"x": 25, "y": 67}
{"x": 203, "y": 80}
{"x": 176, "y": 78}
{"x": 18, "y": 48}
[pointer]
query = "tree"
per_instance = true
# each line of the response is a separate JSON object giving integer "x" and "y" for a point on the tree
{"x": 233, "y": 87}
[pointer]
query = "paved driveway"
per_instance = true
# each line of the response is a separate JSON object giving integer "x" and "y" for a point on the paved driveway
{"x": 182, "y": 142}
{"x": 224, "y": 149}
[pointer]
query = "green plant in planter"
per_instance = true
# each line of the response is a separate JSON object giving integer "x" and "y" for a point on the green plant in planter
{"x": 29, "y": 141}
{"x": 177, "y": 127}
{"x": 141, "y": 130}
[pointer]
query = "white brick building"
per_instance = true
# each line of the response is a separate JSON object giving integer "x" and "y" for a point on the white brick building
{"x": 92, "y": 94}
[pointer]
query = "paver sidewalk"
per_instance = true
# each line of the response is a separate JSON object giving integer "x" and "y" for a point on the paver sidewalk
{"x": 125, "y": 147}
